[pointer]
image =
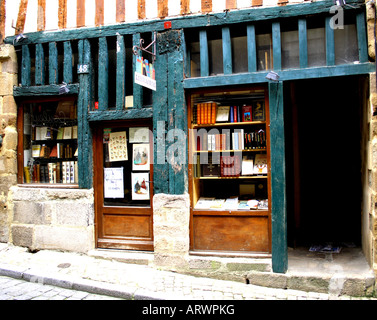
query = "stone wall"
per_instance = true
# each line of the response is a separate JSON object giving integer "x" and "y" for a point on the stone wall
{"x": 370, "y": 221}
{"x": 44, "y": 218}
{"x": 8, "y": 134}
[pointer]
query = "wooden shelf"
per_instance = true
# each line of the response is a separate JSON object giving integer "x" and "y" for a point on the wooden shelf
{"x": 227, "y": 178}
{"x": 228, "y": 124}
{"x": 245, "y": 150}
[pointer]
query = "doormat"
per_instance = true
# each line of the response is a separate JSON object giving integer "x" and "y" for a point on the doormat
{"x": 328, "y": 248}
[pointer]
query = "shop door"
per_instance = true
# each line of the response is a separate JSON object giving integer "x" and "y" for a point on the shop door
{"x": 123, "y": 170}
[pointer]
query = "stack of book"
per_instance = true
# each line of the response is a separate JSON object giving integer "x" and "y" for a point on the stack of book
{"x": 209, "y": 203}
{"x": 59, "y": 172}
{"x": 205, "y": 113}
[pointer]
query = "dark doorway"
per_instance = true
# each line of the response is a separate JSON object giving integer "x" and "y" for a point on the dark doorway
{"x": 324, "y": 161}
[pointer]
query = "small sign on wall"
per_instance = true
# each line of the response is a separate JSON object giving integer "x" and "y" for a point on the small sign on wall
{"x": 145, "y": 73}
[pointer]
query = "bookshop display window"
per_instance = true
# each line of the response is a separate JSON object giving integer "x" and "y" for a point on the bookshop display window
{"x": 48, "y": 146}
{"x": 229, "y": 175}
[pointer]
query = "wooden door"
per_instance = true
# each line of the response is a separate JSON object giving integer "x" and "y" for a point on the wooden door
{"x": 123, "y": 171}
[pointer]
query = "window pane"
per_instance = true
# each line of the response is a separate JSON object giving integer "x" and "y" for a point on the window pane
{"x": 264, "y": 51}
{"x": 316, "y": 47}
{"x": 215, "y": 52}
{"x": 346, "y": 47}
{"x": 239, "y": 54}
{"x": 195, "y": 59}
{"x": 290, "y": 49}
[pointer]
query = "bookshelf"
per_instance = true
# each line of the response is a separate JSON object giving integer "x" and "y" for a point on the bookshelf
{"x": 229, "y": 176}
{"x": 49, "y": 142}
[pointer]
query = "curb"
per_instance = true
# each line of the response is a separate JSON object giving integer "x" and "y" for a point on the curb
{"x": 74, "y": 283}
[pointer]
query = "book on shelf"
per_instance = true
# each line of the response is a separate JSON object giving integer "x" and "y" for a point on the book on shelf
{"x": 36, "y": 150}
{"x": 60, "y": 133}
{"x": 204, "y": 203}
{"x": 230, "y": 166}
{"x": 205, "y": 113}
{"x": 247, "y": 165}
{"x": 45, "y": 152}
{"x": 231, "y": 204}
{"x": 259, "y": 111}
{"x": 212, "y": 167}
{"x": 54, "y": 152}
{"x": 217, "y": 204}
{"x": 247, "y": 114}
{"x": 260, "y": 164}
{"x": 74, "y": 132}
{"x": 67, "y": 133}
{"x": 222, "y": 114}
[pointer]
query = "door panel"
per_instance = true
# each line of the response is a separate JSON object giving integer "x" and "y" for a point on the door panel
{"x": 123, "y": 169}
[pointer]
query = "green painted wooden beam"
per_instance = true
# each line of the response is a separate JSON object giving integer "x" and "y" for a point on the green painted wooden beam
{"x": 276, "y": 45}
{"x": 53, "y": 64}
{"x": 25, "y": 66}
{"x": 204, "y": 54}
{"x": 362, "y": 37}
{"x": 120, "y": 73}
{"x": 330, "y": 43}
{"x": 285, "y": 75}
{"x": 303, "y": 43}
{"x": 103, "y": 75}
{"x": 251, "y": 49}
{"x": 67, "y": 62}
{"x": 40, "y": 91}
{"x": 127, "y": 114}
{"x": 189, "y": 21}
{"x": 137, "y": 89}
{"x": 227, "y": 51}
{"x": 39, "y": 65}
{"x": 278, "y": 180}
{"x": 85, "y": 103}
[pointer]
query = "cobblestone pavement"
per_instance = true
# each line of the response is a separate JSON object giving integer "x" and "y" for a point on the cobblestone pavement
{"x": 16, "y": 289}
{"x": 61, "y": 275}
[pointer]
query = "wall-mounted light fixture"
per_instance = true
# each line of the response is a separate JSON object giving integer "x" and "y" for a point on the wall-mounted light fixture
{"x": 272, "y": 76}
{"x": 63, "y": 89}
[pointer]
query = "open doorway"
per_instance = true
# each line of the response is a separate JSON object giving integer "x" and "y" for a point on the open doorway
{"x": 324, "y": 162}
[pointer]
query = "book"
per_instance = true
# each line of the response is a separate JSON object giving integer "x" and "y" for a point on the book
{"x": 260, "y": 164}
{"x": 217, "y": 204}
{"x": 204, "y": 203}
{"x": 247, "y": 113}
{"x": 27, "y": 175}
{"x": 74, "y": 132}
{"x": 222, "y": 114}
{"x": 67, "y": 133}
{"x": 258, "y": 111}
{"x": 247, "y": 167}
{"x": 230, "y": 204}
{"x": 212, "y": 168}
{"x": 54, "y": 152}
{"x": 60, "y": 133}
{"x": 214, "y": 112}
{"x": 35, "y": 150}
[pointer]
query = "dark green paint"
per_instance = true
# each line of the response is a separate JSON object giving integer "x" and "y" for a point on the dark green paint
{"x": 204, "y": 59}
{"x": 103, "y": 75}
{"x": 137, "y": 89}
{"x": 276, "y": 45}
{"x": 251, "y": 49}
{"x": 38, "y": 91}
{"x": 120, "y": 73}
{"x": 25, "y": 66}
{"x": 39, "y": 65}
{"x": 362, "y": 37}
{"x": 303, "y": 43}
{"x": 227, "y": 51}
{"x": 67, "y": 63}
{"x": 278, "y": 181}
{"x": 53, "y": 65}
{"x": 330, "y": 43}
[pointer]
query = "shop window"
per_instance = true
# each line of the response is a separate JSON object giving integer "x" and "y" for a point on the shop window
{"x": 264, "y": 51}
{"x": 48, "y": 147}
{"x": 290, "y": 49}
{"x": 316, "y": 43}
{"x": 239, "y": 50}
{"x": 346, "y": 47}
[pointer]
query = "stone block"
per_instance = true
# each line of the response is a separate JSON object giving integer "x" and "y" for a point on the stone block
{"x": 10, "y": 138}
{"x": 27, "y": 212}
{"x": 7, "y": 81}
{"x": 64, "y": 238}
{"x": 7, "y": 51}
{"x": 22, "y": 236}
{"x": 74, "y": 213}
{"x": 9, "y": 105}
{"x": 4, "y": 225}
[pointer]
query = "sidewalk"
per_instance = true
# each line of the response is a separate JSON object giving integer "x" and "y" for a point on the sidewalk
{"x": 134, "y": 282}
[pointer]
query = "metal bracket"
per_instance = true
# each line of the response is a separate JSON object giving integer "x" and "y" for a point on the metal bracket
{"x": 141, "y": 47}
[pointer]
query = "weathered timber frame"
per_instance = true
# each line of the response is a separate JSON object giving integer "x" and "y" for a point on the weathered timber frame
{"x": 169, "y": 107}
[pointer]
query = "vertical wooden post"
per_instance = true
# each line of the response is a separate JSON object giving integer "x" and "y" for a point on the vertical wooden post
{"x": 276, "y": 45}
{"x": 39, "y": 65}
{"x": 137, "y": 89}
{"x": 278, "y": 181}
{"x": 204, "y": 60}
{"x": 67, "y": 64}
{"x": 26, "y": 66}
{"x": 227, "y": 51}
{"x": 330, "y": 43}
{"x": 361, "y": 37}
{"x": 251, "y": 49}
{"x": 120, "y": 73}
{"x": 103, "y": 75}
{"x": 303, "y": 43}
{"x": 53, "y": 67}
{"x": 85, "y": 103}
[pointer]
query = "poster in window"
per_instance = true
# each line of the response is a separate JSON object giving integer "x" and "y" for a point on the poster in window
{"x": 140, "y": 186}
{"x": 139, "y": 135}
{"x": 118, "y": 146}
{"x": 140, "y": 157}
{"x": 113, "y": 183}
